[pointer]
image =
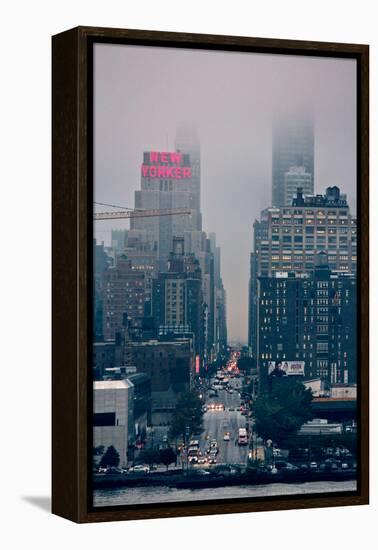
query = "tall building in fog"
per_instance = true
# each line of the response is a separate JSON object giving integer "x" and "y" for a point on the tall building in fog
{"x": 187, "y": 142}
{"x": 166, "y": 182}
{"x": 292, "y": 145}
{"x": 297, "y": 178}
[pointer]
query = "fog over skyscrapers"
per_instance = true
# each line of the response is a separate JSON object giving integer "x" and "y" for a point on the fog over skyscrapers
{"x": 161, "y": 288}
{"x": 287, "y": 239}
{"x": 292, "y": 153}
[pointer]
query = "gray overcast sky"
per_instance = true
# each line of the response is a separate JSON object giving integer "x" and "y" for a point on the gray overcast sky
{"x": 142, "y": 93}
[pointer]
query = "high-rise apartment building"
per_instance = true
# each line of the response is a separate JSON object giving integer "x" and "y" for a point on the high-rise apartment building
{"x": 288, "y": 239}
{"x": 123, "y": 292}
{"x": 309, "y": 318}
{"x": 177, "y": 299}
{"x": 292, "y": 145}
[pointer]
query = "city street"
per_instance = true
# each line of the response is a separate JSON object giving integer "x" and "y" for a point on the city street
{"x": 217, "y": 423}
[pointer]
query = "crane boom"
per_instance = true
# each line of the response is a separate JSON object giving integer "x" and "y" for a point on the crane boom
{"x": 97, "y": 216}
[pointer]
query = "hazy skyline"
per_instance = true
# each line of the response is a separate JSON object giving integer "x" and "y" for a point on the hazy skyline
{"x": 142, "y": 93}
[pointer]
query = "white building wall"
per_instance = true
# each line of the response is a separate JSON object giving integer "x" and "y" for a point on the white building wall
{"x": 114, "y": 396}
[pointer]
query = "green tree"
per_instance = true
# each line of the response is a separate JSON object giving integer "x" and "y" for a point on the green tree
{"x": 110, "y": 458}
{"x": 280, "y": 414}
{"x": 167, "y": 456}
{"x": 149, "y": 456}
{"x": 187, "y": 414}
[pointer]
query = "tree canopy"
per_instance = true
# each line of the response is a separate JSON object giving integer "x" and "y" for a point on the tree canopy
{"x": 187, "y": 415}
{"x": 110, "y": 458}
{"x": 280, "y": 414}
{"x": 149, "y": 456}
{"x": 167, "y": 456}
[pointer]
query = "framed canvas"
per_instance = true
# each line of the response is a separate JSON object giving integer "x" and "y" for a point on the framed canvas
{"x": 210, "y": 274}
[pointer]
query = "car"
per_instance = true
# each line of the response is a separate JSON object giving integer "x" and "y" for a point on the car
{"x": 102, "y": 470}
{"x": 201, "y": 472}
{"x": 212, "y": 460}
{"x": 231, "y": 409}
{"x": 114, "y": 470}
{"x": 280, "y": 464}
{"x": 202, "y": 460}
{"x": 313, "y": 465}
{"x": 290, "y": 467}
{"x": 193, "y": 460}
{"x": 226, "y": 436}
{"x": 139, "y": 469}
{"x": 276, "y": 452}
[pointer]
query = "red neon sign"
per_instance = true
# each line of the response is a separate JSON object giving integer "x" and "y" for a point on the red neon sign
{"x": 197, "y": 364}
{"x": 166, "y": 165}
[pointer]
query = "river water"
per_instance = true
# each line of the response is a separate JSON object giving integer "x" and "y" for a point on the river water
{"x": 149, "y": 495}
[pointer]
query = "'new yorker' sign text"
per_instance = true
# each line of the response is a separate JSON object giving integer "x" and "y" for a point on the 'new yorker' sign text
{"x": 166, "y": 165}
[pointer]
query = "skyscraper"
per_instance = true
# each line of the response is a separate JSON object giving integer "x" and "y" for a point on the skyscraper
{"x": 309, "y": 318}
{"x": 177, "y": 301}
{"x": 288, "y": 238}
{"x": 297, "y": 177}
{"x": 292, "y": 145}
{"x": 123, "y": 292}
{"x": 166, "y": 182}
{"x": 187, "y": 141}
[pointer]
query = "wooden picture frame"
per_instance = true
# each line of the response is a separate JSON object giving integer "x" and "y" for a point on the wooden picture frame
{"x": 72, "y": 175}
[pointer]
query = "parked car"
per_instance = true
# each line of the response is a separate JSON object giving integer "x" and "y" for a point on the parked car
{"x": 139, "y": 469}
{"x": 114, "y": 470}
{"x": 290, "y": 467}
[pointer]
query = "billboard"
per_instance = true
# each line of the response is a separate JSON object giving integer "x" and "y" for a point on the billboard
{"x": 166, "y": 165}
{"x": 283, "y": 368}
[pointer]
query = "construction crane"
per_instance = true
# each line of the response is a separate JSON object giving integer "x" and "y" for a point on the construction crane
{"x": 131, "y": 213}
